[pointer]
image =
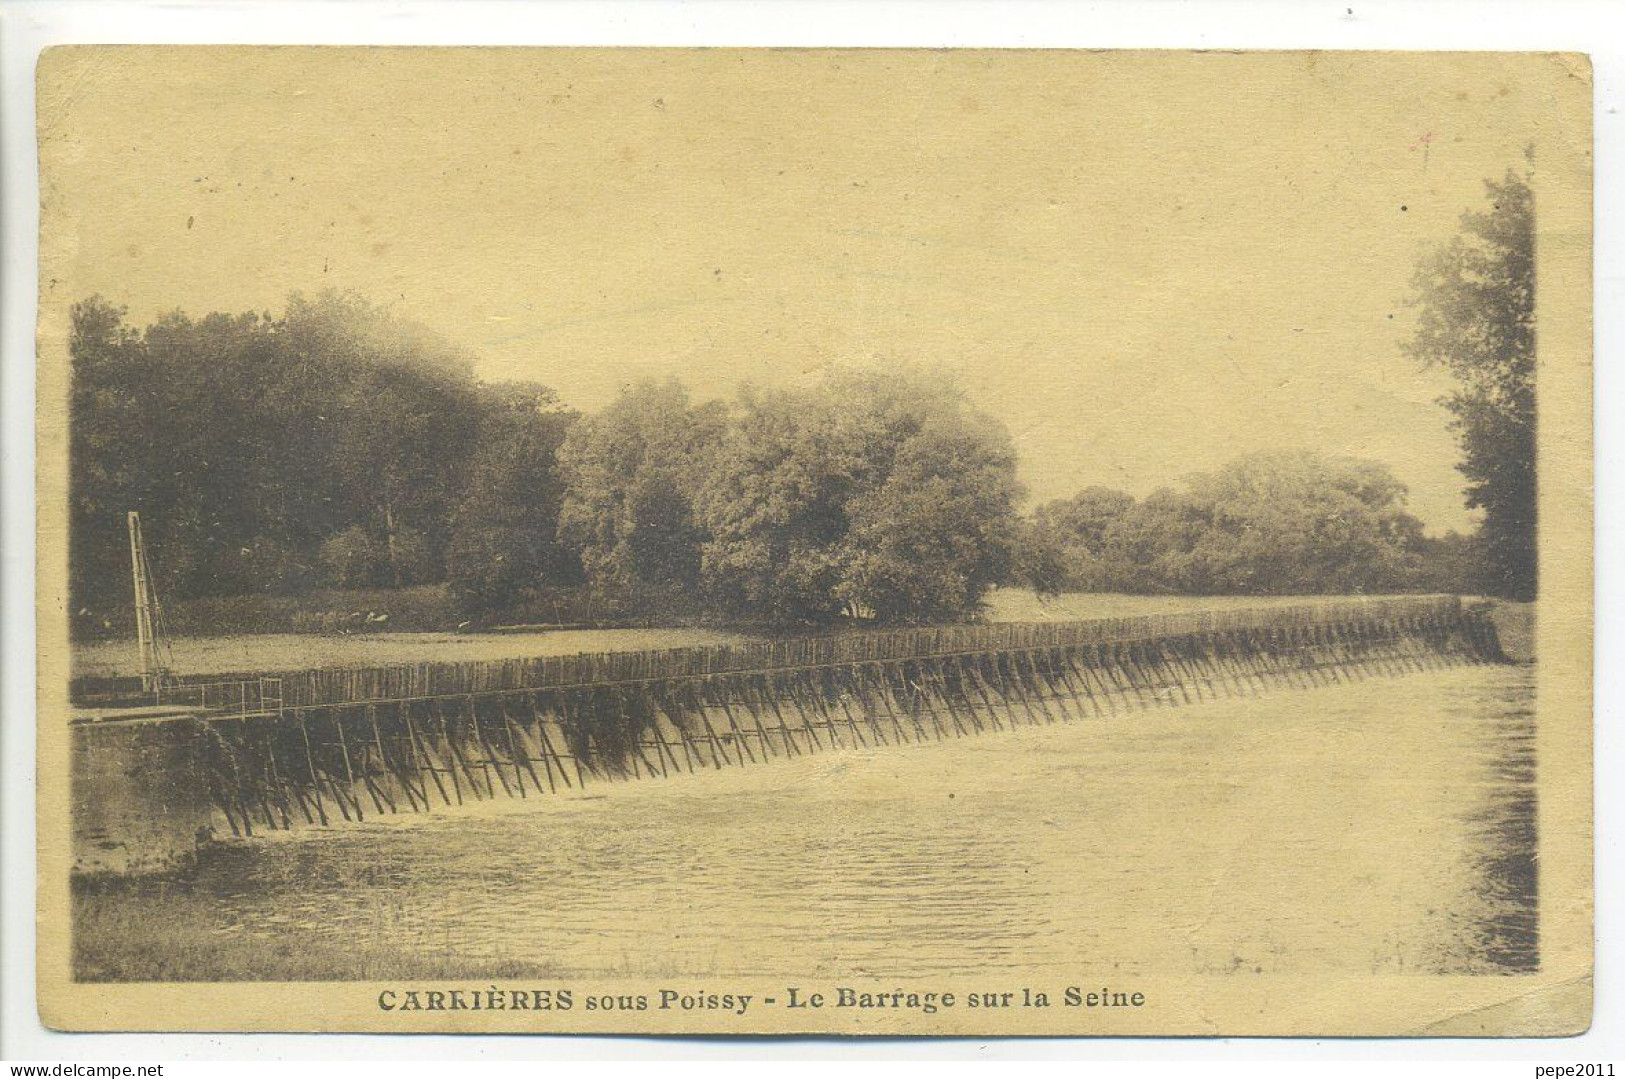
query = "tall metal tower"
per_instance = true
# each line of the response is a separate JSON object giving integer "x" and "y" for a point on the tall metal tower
{"x": 146, "y": 610}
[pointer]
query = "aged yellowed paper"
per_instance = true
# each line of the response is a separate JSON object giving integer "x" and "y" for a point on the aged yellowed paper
{"x": 786, "y": 541}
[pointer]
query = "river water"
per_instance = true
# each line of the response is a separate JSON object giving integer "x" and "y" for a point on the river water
{"x": 1379, "y": 826}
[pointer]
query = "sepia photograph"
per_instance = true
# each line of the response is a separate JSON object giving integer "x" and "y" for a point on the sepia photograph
{"x": 815, "y": 541}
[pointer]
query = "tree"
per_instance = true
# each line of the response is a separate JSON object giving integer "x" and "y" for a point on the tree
{"x": 162, "y": 422}
{"x": 630, "y": 477}
{"x": 1297, "y": 522}
{"x": 774, "y": 509}
{"x": 107, "y": 456}
{"x": 1039, "y": 561}
{"x": 351, "y": 559}
{"x": 1079, "y": 527}
{"x": 504, "y": 539}
{"x": 248, "y": 441}
{"x": 400, "y": 418}
{"x": 1477, "y": 299}
{"x": 881, "y": 495}
{"x": 1264, "y": 524}
{"x": 1151, "y": 544}
{"x": 928, "y": 541}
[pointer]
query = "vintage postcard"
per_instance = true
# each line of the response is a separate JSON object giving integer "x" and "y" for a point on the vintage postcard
{"x": 798, "y": 541}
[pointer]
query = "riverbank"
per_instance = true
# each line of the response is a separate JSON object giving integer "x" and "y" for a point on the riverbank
{"x": 1515, "y": 626}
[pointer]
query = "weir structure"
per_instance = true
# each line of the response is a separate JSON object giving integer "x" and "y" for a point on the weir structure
{"x": 321, "y": 748}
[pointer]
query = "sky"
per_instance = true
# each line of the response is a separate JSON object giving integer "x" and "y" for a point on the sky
{"x": 1145, "y": 264}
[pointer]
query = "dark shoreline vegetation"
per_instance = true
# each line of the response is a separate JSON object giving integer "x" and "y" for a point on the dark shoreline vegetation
{"x": 337, "y": 467}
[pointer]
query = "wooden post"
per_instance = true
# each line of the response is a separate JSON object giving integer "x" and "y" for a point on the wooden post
{"x": 938, "y": 673}
{"x": 1200, "y": 658}
{"x": 567, "y": 710}
{"x": 1087, "y": 666}
{"x": 721, "y": 693}
{"x": 1123, "y": 658}
{"x": 629, "y": 720}
{"x": 519, "y": 755}
{"x": 445, "y": 739}
{"x": 1167, "y": 658}
{"x": 831, "y": 686}
{"x": 1067, "y": 698}
{"x": 424, "y": 761}
{"x": 310, "y": 765}
{"x": 802, "y": 699}
{"x": 663, "y": 753}
{"x": 1078, "y": 692}
{"x": 547, "y": 762}
{"x": 1021, "y": 663}
{"x": 1321, "y": 652}
{"x": 383, "y": 758}
{"x": 548, "y": 749}
{"x": 817, "y": 686}
{"x": 771, "y": 698}
{"x": 870, "y": 720}
{"x": 145, "y": 627}
{"x": 773, "y": 705}
{"x": 969, "y": 675}
{"x": 471, "y": 714}
{"x": 718, "y": 754}
{"x": 991, "y": 672}
{"x": 667, "y": 700}
{"x": 282, "y": 789}
{"x": 889, "y": 676}
{"x": 1002, "y": 663}
{"x": 686, "y": 702}
{"x": 241, "y": 786}
{"x": 785, "y": 748}
{"x": 1247, "y": 659}
{"x": 349, "y": 769}
{"x": 864, "y": 677}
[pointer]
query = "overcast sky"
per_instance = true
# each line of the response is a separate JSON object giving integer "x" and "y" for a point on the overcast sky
{"x": 1144, "y": 264}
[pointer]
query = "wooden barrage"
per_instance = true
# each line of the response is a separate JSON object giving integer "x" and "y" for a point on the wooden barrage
{"x": 341, "y": 746}
{"x": 337, "y": 685}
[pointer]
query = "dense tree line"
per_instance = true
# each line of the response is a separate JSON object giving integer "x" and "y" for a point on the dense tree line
{"x": 871, "y": 495}
{"x": 339, "y": 446}
{"x": 1266, "y": 524}
{"x": 334, "y": 445}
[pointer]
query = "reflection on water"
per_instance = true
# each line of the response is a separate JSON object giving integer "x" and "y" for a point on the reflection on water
{"x": 1382, "y": 826}
{"x": 1503, "y": 834}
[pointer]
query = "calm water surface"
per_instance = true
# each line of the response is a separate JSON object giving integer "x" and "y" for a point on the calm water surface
{"x": 1383, "y": 826}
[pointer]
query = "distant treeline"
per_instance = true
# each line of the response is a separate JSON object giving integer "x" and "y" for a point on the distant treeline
{"x": 1265, "y": 524}
{"x": 339, "y": 447}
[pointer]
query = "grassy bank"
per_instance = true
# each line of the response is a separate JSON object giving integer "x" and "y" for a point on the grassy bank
{"x": 433, "y": 608}
{"x": 310, "y": 651}
{"x": 419, "y": 609}
{"x": 1025, "y": 605}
